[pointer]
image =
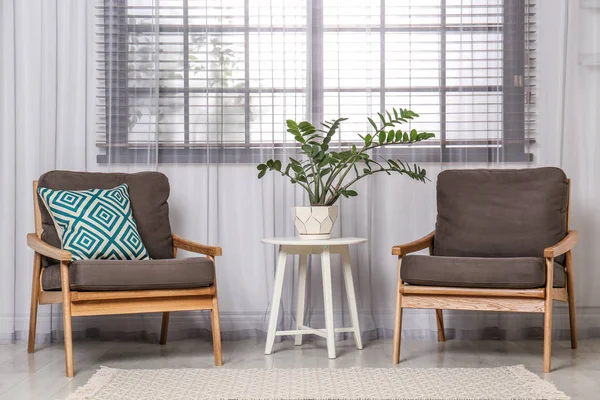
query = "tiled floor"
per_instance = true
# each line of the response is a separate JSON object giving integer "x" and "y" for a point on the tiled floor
{"x": 41, "y": 375}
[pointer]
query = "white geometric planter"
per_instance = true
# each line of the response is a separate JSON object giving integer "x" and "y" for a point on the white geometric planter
{"x": 314, "y": 222}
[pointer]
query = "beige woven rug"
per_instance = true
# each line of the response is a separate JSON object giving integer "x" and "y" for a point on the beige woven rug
{"x": 514, "y": 382}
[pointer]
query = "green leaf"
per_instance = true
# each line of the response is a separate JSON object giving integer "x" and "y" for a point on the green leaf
{"x": 260, "y": 167}
{"x": 307, "y": 149}
{"x": 277, "y": 165}
{"x": 395, "y": 113}
{"x": 373, "y": 123}
{"x": 381, "y": 117}
{"x": 398, "y": 137}
{"x": 351, "y": 193}
{"x": 306, "y": 128}
{"x": 367, "y": 171}
{"x": 270, "y": 164}
{"x": 294, "y": 161}
{"x": 389, "y": 115}
{"x": 368, "y": 140}
{"x": 262, "y": 173}
{"x": 413, "y": 135}
{"x": 382, "y": 137}
{"x": 334, "y": 126}
{"x": 390, "y": 136}
{"x": 353, "y": 149}
{"x": 405, "y": 137}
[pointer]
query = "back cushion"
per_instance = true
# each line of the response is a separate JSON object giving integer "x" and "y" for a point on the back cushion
{"x": 500, "y": 213}
{"x": 148, "y": 192}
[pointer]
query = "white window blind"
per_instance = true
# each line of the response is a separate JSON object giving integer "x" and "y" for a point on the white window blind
{"x": 224, "y": 75}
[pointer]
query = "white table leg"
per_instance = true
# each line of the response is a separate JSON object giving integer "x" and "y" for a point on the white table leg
{"x": 351, "y": 296}
{"x": 278, "y": 288}
{"x": 328, "y": 297}
{"x": 302, "y": 267}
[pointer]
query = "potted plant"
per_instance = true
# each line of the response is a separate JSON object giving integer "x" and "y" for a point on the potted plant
{"x": 326, "y": 175}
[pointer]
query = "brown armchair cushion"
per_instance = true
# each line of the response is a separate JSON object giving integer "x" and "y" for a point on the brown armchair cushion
{"x": 111, "y": 275}
{"x": 500, "y": 213}
{"x": 148, "y": 192}
{"x": 475, "y": 272}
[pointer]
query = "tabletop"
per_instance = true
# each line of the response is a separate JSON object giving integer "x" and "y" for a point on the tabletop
{"x": 314, "y": 242}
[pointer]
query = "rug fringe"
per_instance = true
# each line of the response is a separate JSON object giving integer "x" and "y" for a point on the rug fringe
{"x": 96, "y": 382}
{"x": 535, "y": 382}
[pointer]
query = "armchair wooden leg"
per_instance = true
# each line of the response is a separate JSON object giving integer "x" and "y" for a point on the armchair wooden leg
{"x": 398, "y": 318}
{"x": 35, "y": 295}
{"x": 571, "y": 293}
{"x": 440, "y": 325}
{"x": 164, "y": 330}
{"x": 548, "y": 314}
{"x": 397, "y": 329}
{"x": 64, "y": 275}
{"x": 216, "y": 332}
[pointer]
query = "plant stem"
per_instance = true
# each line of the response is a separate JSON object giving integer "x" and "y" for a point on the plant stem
{"x": 359, "y": 177}
{"x": 311, "y": 195}
{"x": 315, "y": 180}
{"x": 353, "y": 159}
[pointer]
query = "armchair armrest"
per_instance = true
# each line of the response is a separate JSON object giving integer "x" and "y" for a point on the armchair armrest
{"x": 420, "y": 244}
{"x": 43, "y": 248}
{"x": 563, "y": 246}
{"x": 194, "y": 247}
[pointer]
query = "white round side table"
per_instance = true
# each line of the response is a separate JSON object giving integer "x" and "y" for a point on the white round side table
{"x": 292, "y": 246}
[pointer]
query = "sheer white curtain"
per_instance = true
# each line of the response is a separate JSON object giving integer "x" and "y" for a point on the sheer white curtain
{"x": 580, "y": 141}
{"x": 46, "y": 58}
{"x": 200, "y": 90}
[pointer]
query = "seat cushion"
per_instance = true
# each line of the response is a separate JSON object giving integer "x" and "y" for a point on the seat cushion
{"x": 95, "y": 224}
{"x": 500, "y": 213}
{"x": 111, "y": 275}
{"x": 475, "y": 272}
{"x": 148, "y": 192}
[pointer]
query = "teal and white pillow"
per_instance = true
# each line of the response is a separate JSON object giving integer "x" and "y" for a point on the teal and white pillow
{"x": 95, "y": 224}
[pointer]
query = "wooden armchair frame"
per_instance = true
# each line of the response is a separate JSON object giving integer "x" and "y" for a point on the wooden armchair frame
{"x": 77, "y": 304}
{"x": 509, "y": 300}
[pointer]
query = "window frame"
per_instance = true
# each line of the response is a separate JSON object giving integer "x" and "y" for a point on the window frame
{"x": 514, "y": 103}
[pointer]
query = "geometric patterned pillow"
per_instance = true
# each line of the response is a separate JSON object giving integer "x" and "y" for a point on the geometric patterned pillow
{"x": 95, "y": 224}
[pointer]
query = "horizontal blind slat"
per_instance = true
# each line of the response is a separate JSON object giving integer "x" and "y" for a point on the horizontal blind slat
{"x": 238, "y": 77}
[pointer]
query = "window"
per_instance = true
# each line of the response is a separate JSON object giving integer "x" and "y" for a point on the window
{"x": 217, "y": 79}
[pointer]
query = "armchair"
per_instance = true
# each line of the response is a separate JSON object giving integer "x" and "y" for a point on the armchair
{"x": 502, "y": 243}
{"x": 105, "y": 287}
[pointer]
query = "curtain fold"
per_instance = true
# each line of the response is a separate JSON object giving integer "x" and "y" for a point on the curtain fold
{"x": 255, "y": 68}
